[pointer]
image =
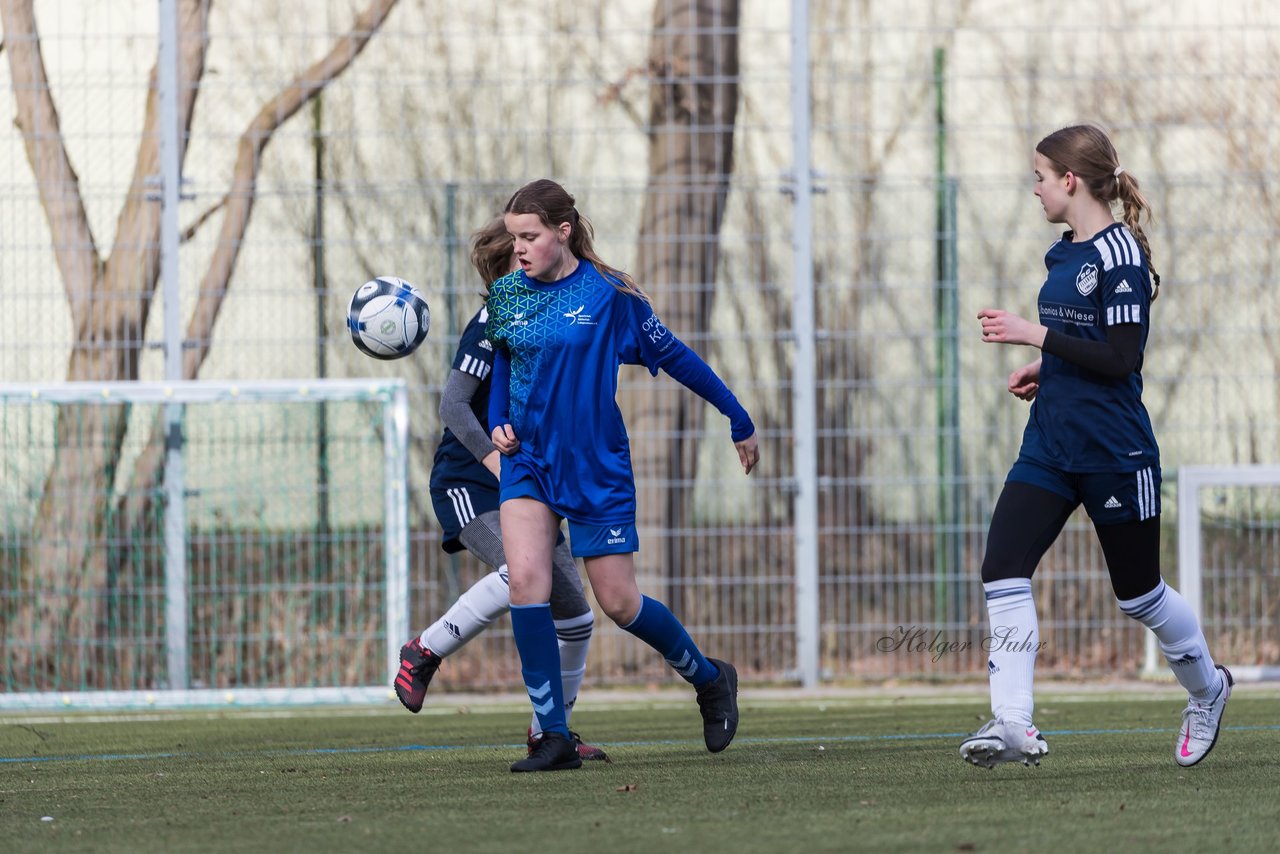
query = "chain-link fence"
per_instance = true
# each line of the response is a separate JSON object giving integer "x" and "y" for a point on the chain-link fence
{"x": 326, "y": 143}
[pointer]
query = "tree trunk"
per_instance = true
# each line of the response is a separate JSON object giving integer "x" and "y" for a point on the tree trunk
{"x": 66, "y": 565}
{"x": 693, "y": 63}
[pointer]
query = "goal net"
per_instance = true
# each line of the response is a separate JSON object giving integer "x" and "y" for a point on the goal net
{"x": 192, "y": 543}
{"x": 1229, "y": 565}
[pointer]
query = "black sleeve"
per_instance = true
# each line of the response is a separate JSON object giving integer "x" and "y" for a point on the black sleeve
{"x": 1115, "y": 358}
{"x": 456, "y": 413}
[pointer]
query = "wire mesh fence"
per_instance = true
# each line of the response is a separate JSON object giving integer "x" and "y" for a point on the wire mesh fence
{"x": 327, "y": 143}
{"x": 281, "y": 576}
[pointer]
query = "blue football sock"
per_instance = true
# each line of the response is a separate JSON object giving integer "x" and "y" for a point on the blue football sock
{"x": 659, "y": 628}
{"x": 535, "y": 634}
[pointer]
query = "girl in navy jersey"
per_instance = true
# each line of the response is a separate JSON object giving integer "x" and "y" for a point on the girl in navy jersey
{"x": 464, "y": 492}
{"x": 1088, "y": 441}
{"x": 561, "y": 326}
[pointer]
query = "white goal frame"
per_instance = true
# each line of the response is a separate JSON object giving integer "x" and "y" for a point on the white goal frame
{"x": 391, "y": 394}
{"x": 1191, "y": 479}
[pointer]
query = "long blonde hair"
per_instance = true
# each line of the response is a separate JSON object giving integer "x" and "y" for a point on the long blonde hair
{"x": 1086, "y": 152}
{"x": 553, "y": 206}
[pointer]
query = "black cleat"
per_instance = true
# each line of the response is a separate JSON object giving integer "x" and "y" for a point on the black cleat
{"x": 718, "y": 702}
{"x": 417, "y": 665}
{"x": 553, "y": 752}
{"x": 586, "y": 752}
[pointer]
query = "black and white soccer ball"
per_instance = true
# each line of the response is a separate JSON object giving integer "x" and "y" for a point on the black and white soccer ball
{"x": 388, "y": 318}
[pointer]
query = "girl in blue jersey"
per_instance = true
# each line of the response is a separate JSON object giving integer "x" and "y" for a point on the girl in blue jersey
{"x": 464, "y": 492}
{"x": 561, "y": 326}
{"x": 1088, "y": 441}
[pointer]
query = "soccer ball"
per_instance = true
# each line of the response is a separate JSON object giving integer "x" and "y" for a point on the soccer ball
{"x": 388, "y": 318}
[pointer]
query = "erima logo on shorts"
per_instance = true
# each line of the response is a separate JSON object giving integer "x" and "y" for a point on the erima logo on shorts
{"x": 615, "y": 537}
{"x": 1087, "y": 280}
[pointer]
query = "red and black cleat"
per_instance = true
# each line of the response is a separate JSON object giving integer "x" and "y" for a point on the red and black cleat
{"x": 417, "y": 665}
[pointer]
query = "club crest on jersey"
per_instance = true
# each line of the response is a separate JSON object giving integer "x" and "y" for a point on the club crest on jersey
{"x": 578, "y": 318}
{"x": 1087, "y": 280}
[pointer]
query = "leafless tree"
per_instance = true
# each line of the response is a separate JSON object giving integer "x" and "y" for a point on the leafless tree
{"x": 110, "y": 299}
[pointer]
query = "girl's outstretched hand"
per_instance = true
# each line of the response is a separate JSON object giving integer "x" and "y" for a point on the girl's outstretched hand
{"x": 504, "y": 439}
{"x": 1003, "y": 327}
{"x": 748, "y": 453}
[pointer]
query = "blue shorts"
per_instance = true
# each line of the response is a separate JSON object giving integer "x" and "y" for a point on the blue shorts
{"x": 1110, "y": 498}
{"x": 598, "y": 540}
{"x": 585, "y": 540}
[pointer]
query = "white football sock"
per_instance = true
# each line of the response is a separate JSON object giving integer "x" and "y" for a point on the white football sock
{"x": 482, "y": 603}
{"x": 573, "y": 636}
{"x": 1011, "y": 649}
{"x": 1166, "y": 613}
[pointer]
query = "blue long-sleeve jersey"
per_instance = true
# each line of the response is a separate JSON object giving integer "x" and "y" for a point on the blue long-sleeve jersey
{"x": 558, "y": 347}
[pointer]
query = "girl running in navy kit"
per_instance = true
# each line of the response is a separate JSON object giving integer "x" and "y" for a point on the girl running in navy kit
{"x": 1088, "y": 441}
{"x": 562, "y": 325}
{"x": 464, "y": 493}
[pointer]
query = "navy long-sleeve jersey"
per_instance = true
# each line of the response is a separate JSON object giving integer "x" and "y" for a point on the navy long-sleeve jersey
{"x": 1082, "y": 421}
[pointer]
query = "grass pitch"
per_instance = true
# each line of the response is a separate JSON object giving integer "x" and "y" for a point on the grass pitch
{"x": 876, "y": 773}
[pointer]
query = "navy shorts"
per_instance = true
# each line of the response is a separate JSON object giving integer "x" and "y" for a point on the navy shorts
{"x": 585, "y": 539}
{"x": 457, "y": 503}
{"x": 1110, "y": 498}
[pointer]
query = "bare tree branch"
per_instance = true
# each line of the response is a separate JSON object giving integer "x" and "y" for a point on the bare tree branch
{"x": 241, "y": 195}
{"x": 74, "y": 248}
{"x": 190, "y": 231}
{"x": 238, "y": 203}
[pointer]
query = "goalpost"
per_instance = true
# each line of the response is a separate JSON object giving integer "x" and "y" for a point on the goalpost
{"x": 1192, "y": 483}
{"x": 264, "y": 560}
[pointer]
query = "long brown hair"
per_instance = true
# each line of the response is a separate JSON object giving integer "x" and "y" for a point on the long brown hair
{"x": 553, "y": 206}
{"x": 1087, "y": 152}
{"x": 491, "y": 251}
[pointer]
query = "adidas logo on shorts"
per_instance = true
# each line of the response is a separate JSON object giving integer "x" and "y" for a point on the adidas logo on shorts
{"x": 1123, "y": 288}
{"x": 1112, "y": 504}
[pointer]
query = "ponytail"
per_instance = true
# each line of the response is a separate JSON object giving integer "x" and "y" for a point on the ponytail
{"x": 1134, "y": 205}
